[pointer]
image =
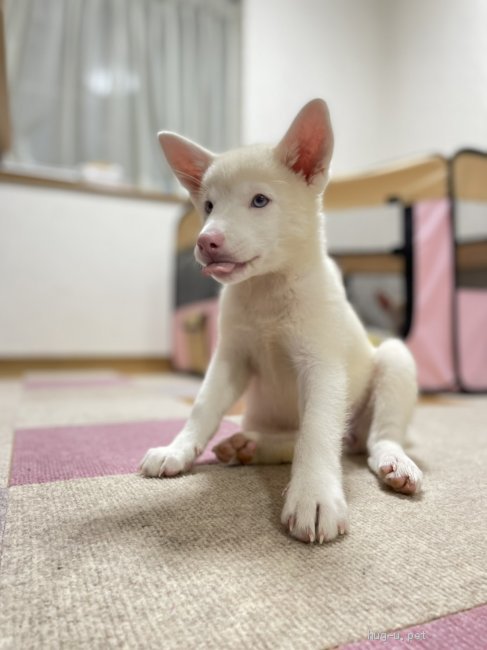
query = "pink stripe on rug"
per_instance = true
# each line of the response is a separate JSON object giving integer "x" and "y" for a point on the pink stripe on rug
{"x": 462, "y": 631}
{"x": 43, "y": 455}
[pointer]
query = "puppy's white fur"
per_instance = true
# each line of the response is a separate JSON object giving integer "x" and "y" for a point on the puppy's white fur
{"x": 287, "y": 335}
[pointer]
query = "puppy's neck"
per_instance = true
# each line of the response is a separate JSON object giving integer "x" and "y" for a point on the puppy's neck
{"x": 278, "y": 287}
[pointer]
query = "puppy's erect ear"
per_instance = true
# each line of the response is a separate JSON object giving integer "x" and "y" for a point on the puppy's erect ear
{"x": 188, "y": 160}
{"x": 308, "y": 144}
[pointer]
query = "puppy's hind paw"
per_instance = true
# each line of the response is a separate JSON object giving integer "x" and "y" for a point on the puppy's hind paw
{"x": 236, "y": 449}
{"x": 398, "y": 472}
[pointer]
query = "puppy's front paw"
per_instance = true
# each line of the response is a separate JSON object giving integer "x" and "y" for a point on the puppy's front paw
{"x": 315, "y": 512}
{"x": 167, "y": 461}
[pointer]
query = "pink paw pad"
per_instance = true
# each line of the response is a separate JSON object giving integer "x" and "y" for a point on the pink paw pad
{"x": 399, "y": 478}
{"x": 237, "y": 448}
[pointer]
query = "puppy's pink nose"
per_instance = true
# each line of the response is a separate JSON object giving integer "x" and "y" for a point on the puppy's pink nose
{"x": 209, "y": 242}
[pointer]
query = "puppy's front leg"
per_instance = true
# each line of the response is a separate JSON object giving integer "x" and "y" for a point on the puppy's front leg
{"x": 315, "y": 506}
{"x": 224, "y": 383}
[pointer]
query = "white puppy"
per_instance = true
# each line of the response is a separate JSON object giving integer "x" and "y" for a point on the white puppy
{"x": 287, "y": 335}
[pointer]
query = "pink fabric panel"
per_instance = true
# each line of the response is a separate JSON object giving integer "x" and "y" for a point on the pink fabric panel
{"x": 472, "y": 338}
{"x": 209, "y": 308}
{"x": 431, "y": 336}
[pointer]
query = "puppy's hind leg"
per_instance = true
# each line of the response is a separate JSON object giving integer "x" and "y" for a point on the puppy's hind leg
{"x": 393, "y": 397}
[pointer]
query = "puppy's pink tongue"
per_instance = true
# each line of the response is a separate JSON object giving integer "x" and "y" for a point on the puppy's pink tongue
{"x": 219, "y": 267}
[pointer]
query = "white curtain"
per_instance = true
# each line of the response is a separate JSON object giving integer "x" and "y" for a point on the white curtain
{"x": 94, "y": 80}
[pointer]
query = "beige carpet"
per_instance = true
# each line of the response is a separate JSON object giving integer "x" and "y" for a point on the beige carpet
{"x": 201, "y": 561}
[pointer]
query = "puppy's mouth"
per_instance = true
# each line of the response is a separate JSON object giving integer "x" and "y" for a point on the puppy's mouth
{"x": 224, "y": 269}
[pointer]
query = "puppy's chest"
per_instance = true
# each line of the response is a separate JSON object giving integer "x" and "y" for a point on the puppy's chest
{"x": 273, "y": 312}
{"x": 267, "y": 346}
{"x": 266, "y": 332}
{"x": 265, "y": 328}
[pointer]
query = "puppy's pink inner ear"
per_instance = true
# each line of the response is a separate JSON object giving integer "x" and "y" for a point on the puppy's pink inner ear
{"x": 308, "y": 154}
{"x": 308, "y": 144}
{"x": 190, "y": 172}
{"x": 188, "y": 161}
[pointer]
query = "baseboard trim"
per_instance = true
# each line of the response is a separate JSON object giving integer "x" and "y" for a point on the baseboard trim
{"x": 14, "y": 367}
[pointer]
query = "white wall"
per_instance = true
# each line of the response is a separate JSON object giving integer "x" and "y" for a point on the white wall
{"x": 435, "y": 95}
{"x": 294, "y": 51}
{"x": 401, "y": 78}
{"x": 84, "y": 274}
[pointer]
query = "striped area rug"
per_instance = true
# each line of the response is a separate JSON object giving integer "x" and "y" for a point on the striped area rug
{"x": 94, "y": 556}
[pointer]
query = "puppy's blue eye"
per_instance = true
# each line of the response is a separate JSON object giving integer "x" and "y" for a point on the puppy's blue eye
{"x": 208, "y": 207}
{"x": 259, "y": 201}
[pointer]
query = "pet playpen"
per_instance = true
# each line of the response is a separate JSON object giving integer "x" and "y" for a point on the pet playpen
{"x": 411, "y": 241}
